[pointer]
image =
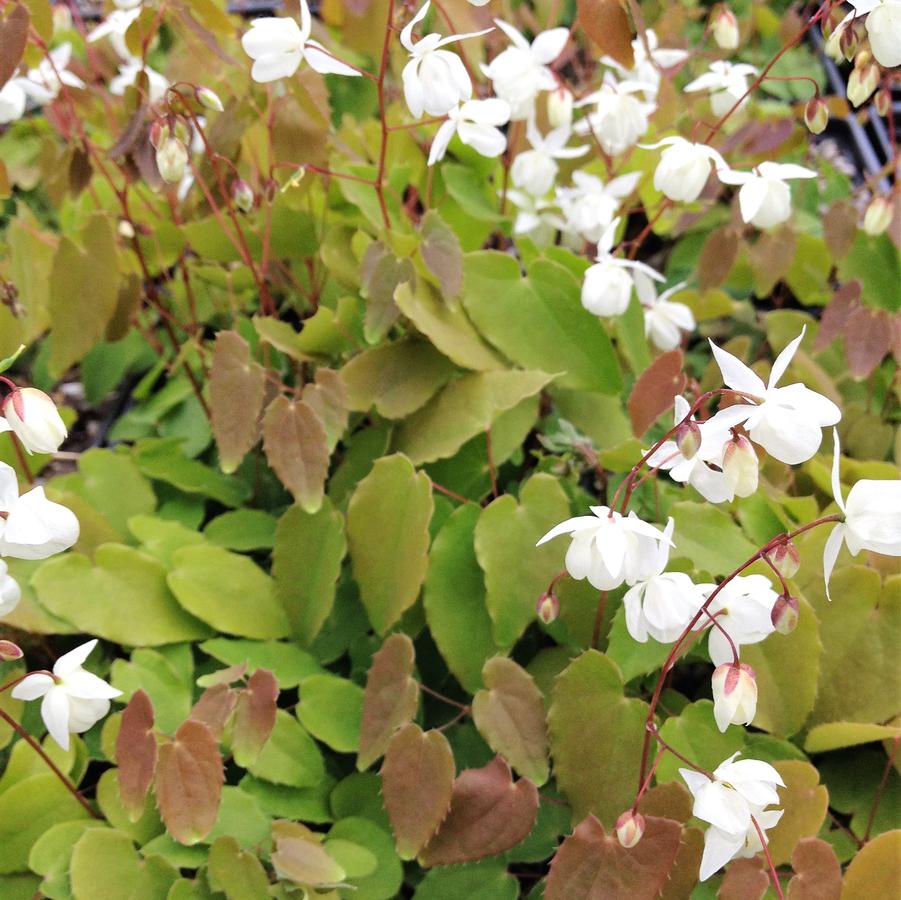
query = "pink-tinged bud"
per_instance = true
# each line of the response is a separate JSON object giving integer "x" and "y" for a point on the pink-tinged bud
{"x": 785, "y": 614}
{"x": 734, "y": 695}
{"x": 10, "y": 651}
{"x": 878, "y": 216}
{"x": 35, "y": 420}
{"x": 848, "y": 42}
{"x": 159, "y": 133}
{"x": 242, "y": 195}
{"x": 882, "y": 101}
{"x": 786, "y": 559}
{"x": 560, "y": 107}
{"x": 208, "y": 99}
{"x": 548, "y": 608}
{"x": 862, "y": 81}
{"x": 126, "y": 229}
{"x": 172, "y": 160}
{"x": 724, "y": 26}
{"x": 816, "y": 115}
{"x": 740, "y": 465}
{"x": 62, "y": 19}
{"x": 688, "y": 438}
{"x": 630, "y": 828}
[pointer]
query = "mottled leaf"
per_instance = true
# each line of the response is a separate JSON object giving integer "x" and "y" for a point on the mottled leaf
{"x": 136, "y": 753}
{"x": 327, "y": 398}
{"x": 254, "y": 716}
{"x": 442, "y": 254}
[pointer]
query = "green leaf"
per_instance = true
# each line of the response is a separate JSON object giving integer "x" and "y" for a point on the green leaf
{"x": 169, "y": 690}
{"x": 227, "y": 591}
{"x": 161, "y": 537}
{"x": 287, "y": 662}
{"x": 142, "y": 829}
{"x": 709, "y": 537}
{"x": 242, "y": 530}
{"x": 388, "y": 535}
{"x": 309, "y": 804}
{"x": 633, "y": 657}
{"x": 240, "y": 817}
{"x": 465, "y": 186}
{"x": 384, "y": 883}
{"x": 236, "y": 872}
{"x": 454, "y": 599}
{"x": 874, "y": 260}
{"x": 330, "y": 709}
{"x": 124, "y": 598}
{"x": 836, "y": 735}
{"x": 52, "y": 851}
{"x": 539, "y": 322}
{"x": 290, "y": 756}
{"x": 876, "y": 870}
{"x": 516, "y": 572}
{"x": 596, "y": 756}
{"x": 306, "y": 564}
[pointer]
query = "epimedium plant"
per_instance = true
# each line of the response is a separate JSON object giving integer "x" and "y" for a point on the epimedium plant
{"x": 382, "y": 298}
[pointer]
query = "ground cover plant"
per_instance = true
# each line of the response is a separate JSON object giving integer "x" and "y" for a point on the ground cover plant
{"x": 449, "y": 450}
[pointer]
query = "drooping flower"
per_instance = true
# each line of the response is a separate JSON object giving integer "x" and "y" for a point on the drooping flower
{"x": 74, "y": 699}
{"x": 279, "y": 45}
{"x": 477, "y": 123}
{"x": 872, "y": 517}
{"x": 536, "y": 217}
{"x": 731, "y": 802}
{"x": 521, "y": 72}
{"x": 619, "y": 117}
{"x": 435, "y": 80}
{"x": 44, "y": 82}
{"x": 765, "y": 198}
{"x": 115, "y": 26}
{"x": 130, "y": 71}
{"x": 647, "y": 68}
{"x": 740, "y": 465}
{"x": 743, "y": 609}
{"x": 13, "y": 101}
{"x": 883, "y": 28}
{"x": 10, "y": 592}
{"x": 33, "y": 417}
{"x": 590, "y": 205}
{"x": 535, "y": 170}
{"x": 609, "y": 549}
{"x": 684, "y": 168}
{"x": 724, "y": 27}
{"x": 787, "y": 421}
{"x": 664, "y": 320}
{"x": 734, "y": 695}
{"x": 34, "y": 527}
{"x": 727, "y": 84}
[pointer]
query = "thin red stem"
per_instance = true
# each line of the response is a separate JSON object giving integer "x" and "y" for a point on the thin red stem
{"x": 769, "y": 859}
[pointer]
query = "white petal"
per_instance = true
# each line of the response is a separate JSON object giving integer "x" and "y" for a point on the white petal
{"x": 736, "y": 374}
{"x": 32, "y": 686}
{"x": 272, "y": 36}
{"x": 751, "y": 197}
{"x": 88, "y": 686}
{"x": 830, "y": 553}
{"x": 413, "y": 91}
{"x": 578, "y": 523}
{"x": 441, "y": 140}
{"x": 324, "y": 63}
{"x": 406, "y": 36}
{"x": 719, "y": 848}
{"x": 55, "y": 713}
{"x": 515, "y": 36}
{"x": 74, "y": 659}
{"x": 785, "y": 170}
{"x": 836, "y": 466}
{"x": 548, "y": 45}
{"x": 784, "y": 358}
{"x": 272, "y": 67}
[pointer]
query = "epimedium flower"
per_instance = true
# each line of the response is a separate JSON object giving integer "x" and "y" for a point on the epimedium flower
{"x": 521, "y": 72}
{"x": 34, "y": 527}
{"x": 115, "y": 26}
{"x": 734, "y": 695}
{"x": 684, "y": 168}
{"x": 731, "y": 801}
{"x": 13, "y": 101}
{"x": 73, "y": 698}
{"x": 279, "y": 45}
{"x": 130, "y": 71}
{"x": 664, "y": 320}
{"x": 435, "y": 80}
{"x": 872, "y": 517}
{"x": 44, "y": 82}
{"x": 589, "y": 205}
{"x": 535, "y": 217}
{"x": 883, "y": 28}
{"x": 619, "y": 117}
{"x": 743, "y": 609}
{"x": 647, "y": 67}
{"x": 609, "y": 549}
{"x": 477, "y": 123}
{"x": 10, "y": 592}
{"x": 727, "y": 84}
{"x": 786, "y": 421}
{"x": 33, "y": 417}
{"x": 765, "y": 199}
{"x": 535, "y": 170}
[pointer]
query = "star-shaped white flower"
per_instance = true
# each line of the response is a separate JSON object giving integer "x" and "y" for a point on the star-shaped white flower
{"x": 765, "y": 199}
{"x": 477, "y": 123}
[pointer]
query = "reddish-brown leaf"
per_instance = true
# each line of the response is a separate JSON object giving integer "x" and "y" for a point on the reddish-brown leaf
{"x": 744, "y": 880}
{"x": 297, "y": 449}
{"x": 254, "y": 717}
{"x": 442, "y": 253}
{"x": 670, "y": 800}
{"x": 683, "y": 876}
{"x": 417, "y": 782}
{"x": 717, "y": 257}
{"x": 840, "y": 227}
{"x": 489, "y": 814}
{"x": 836, "y": 313}
{"x": 606, "y": 23}
{"x": 136, "y": 753}
{"x": 214, "y": 708}
{"x": 868, "y": 339}
{"x": 236, "y": 398}
{"x": 13, "y": 39}
{"x": 818, "y": 874}
{"x": 391, "y": 697}
{"x": 654, "y": 391}
{"x": 189, "y": 780}
{"x": 593, "y": 865}
{"x": 327, "y": 398}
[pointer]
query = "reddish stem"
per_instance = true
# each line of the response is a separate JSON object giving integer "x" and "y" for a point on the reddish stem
{"x": 769, "y": 859}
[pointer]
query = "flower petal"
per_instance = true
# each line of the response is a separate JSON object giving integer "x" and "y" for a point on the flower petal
{"x": 736, "y": 374}
{"x": 830, "y": 553}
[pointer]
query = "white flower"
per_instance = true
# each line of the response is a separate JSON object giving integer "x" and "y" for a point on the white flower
{"x": 740, "y": 466}
{"x": 684, "y": 168}
{"x": 476, "y": 123}
{"x": 33, "y": 417}
{"x": 435, "y": 80}
{"x": 129, "y": 72}
{"x": 646, "y": 69}
{"x": 664, "y": 319}
{"x": 560, "y": 107}
{"x": 12, "y": 101}
{"x": 10, "y": 592}
{"x": 743, "y": 609}
{"x": 279, "y": 45}
{"x": 738, "y": 791}
{"x": 34, "y": 527}
{"x": 883, "y": 28}
{"x": 535, "y": 170}
{"x": 607, "y": 286}
{"x": 872, "y": 517}
{"x": 521, "y": 72}
{"x": 610, "y": 549}
{"x": 590, "y": 205}
{"x": 724, "y": 26}
{"x": 619, "y": 117}
{"x": 127, "y": 4}
{"x": 765, "y": 198}
{"x": 727, "y": 83}
{"x": 115, "y": 26}
{"x": 734, "y": 695}
{"x": 787, "y": 421}
{"x": 535, "y": 217}
{"x": 74, "y": 699}
{"x": 43, "y": 83}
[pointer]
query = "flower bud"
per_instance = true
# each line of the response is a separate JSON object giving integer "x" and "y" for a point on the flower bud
{"x": 548, "y": 608}
{"x": 182, "y": 132}
{"x": 208, "y": 99}
{"x": 10, "y": 651}
{"x": 816, "y": 115}
{"x": 35, "y": 420}
{"x": 126, "y": 229}
{"x": 786, "y": 559}
{"x": 242, "y": 195}
{"x": 785, "y": 614}
{"x": 740, "y": 465}
{"x": 725, "y": 27}
{"x": 560, "y": 107}
{"x": 832, "y": 21}
{"x": 62, "y": 18}
{"x": 878, "y": 216}
{"x": 688, "y": 438}
{"x": 734, "y": 695}
{"x": 172, "y": 160}
{"x": 862, "y": 81}
{"x": 882, "y": 101}
{"x": 630, "y": 828}
{"x": 848, "y": 42}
